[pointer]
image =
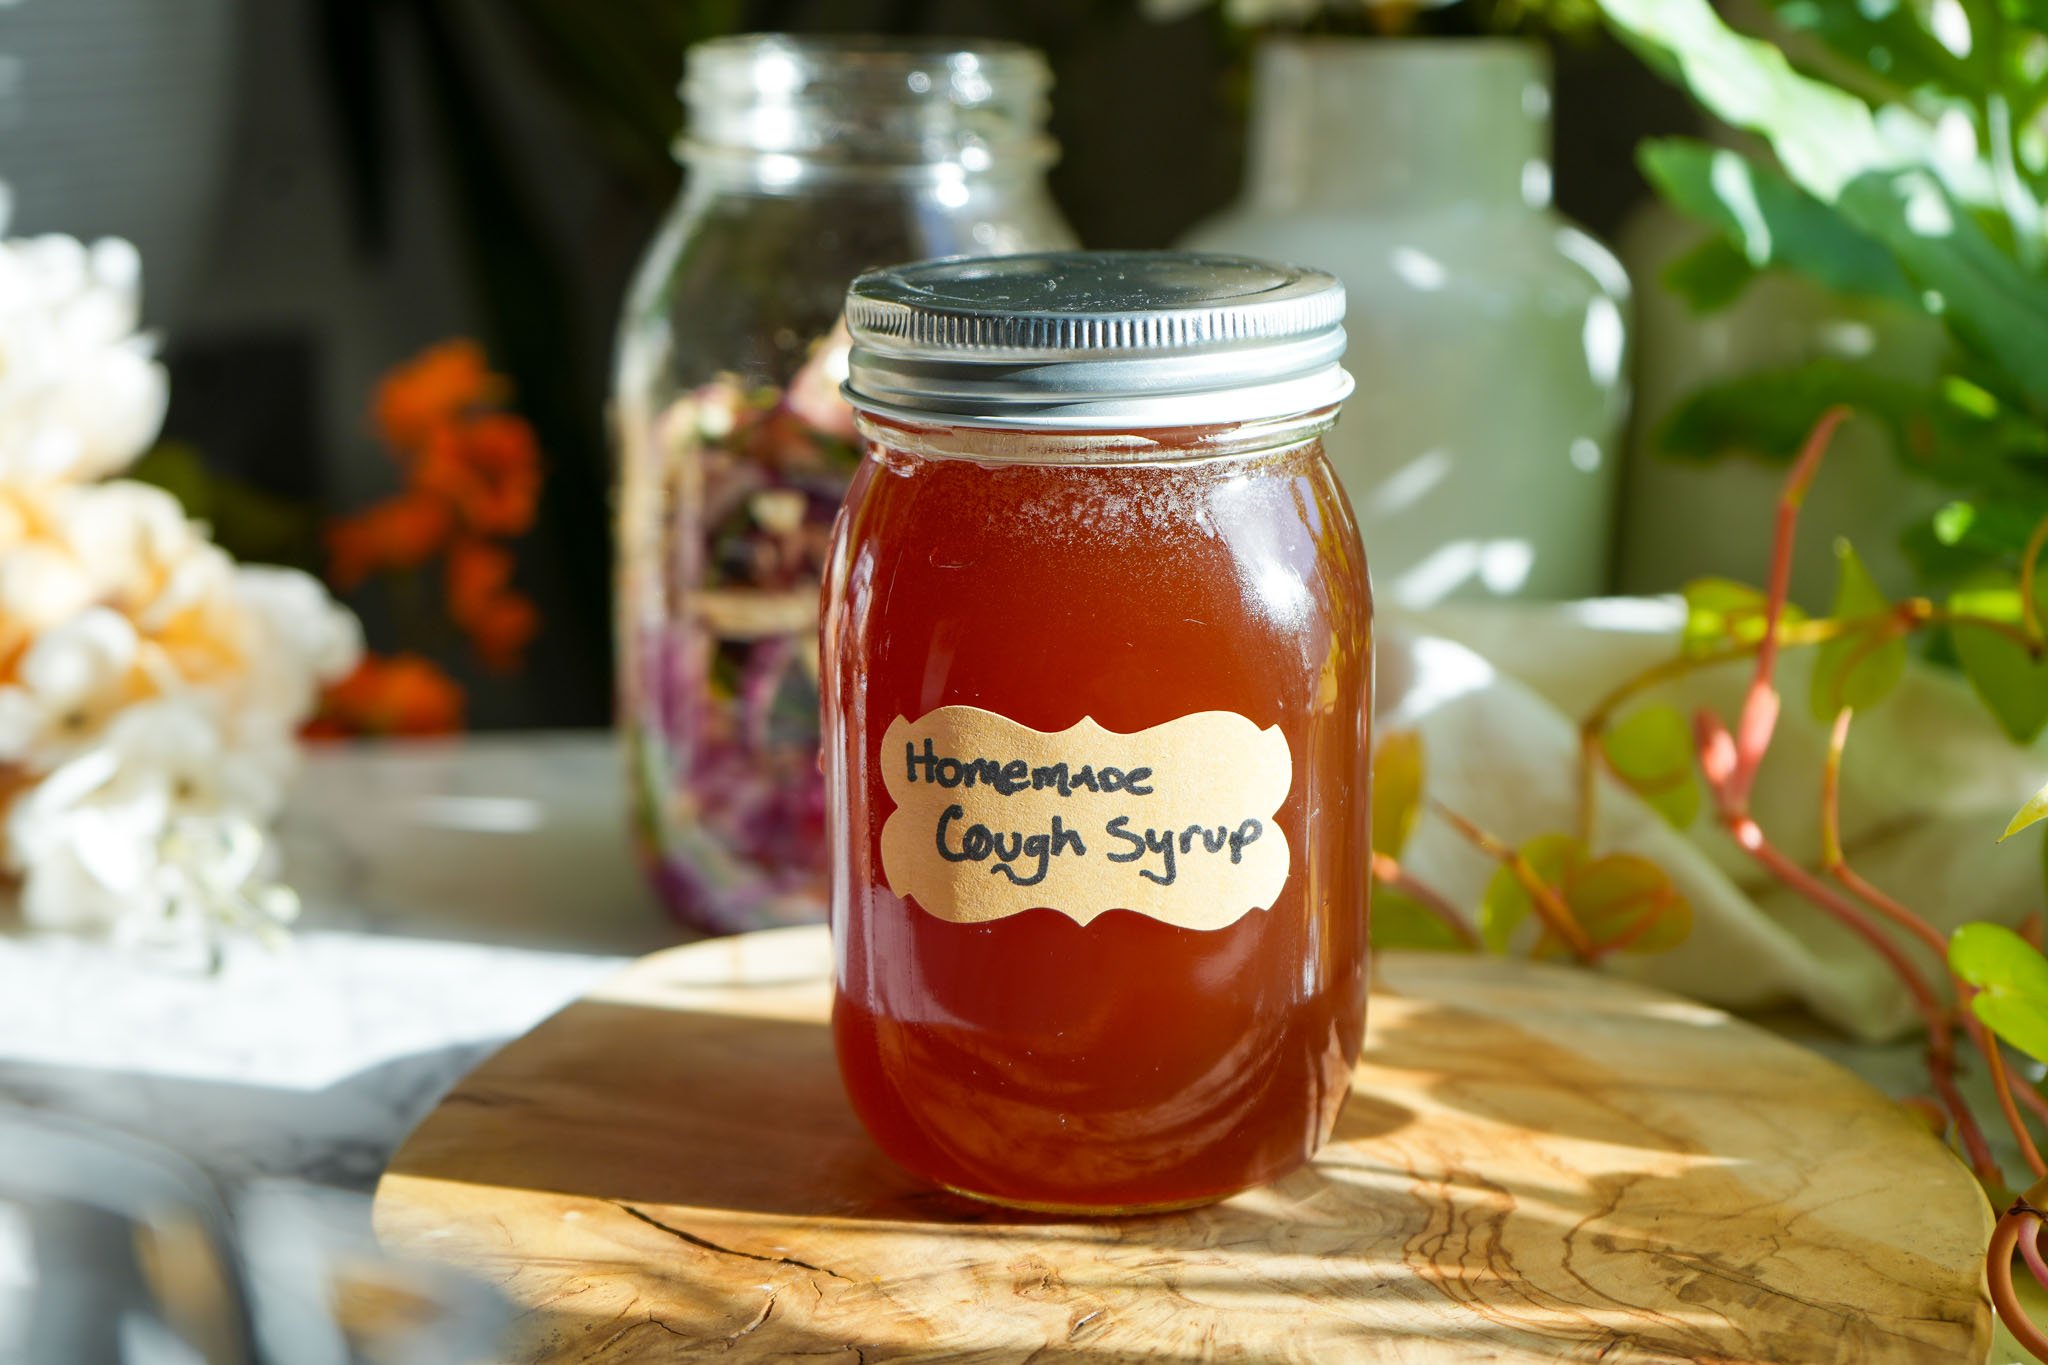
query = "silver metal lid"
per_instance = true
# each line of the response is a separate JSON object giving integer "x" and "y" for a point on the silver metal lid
{"x": 1096, "y": 340}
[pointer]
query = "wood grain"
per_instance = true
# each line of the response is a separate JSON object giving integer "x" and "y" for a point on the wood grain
{"x": 1536, "y": 1164}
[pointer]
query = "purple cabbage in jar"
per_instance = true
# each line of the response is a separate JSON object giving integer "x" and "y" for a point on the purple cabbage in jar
{"x": 721, "y": 707}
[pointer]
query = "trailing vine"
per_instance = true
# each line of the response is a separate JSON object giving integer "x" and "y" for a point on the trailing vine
{"x": 1590, "y": 904}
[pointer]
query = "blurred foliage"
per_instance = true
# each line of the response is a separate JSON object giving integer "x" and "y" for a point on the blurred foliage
{"x": 1908, "y": 163}
{"x": 1620, "y": 901}
{"x": 1650, "y": 751}
{"x": 1586, "y": 905}
{"x": 1393, "y": 18}
{"x": 2011, "y": 680}
{"x": 1721, "y": 613}
{"x": 1856, "y": 671}
{"x": 252, "y": 525}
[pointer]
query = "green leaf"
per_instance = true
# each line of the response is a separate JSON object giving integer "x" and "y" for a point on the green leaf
{"x": 2009, "y": 680}
{"x": 1720, "y": 612}
{"x": 1969, "y": 536}
{"x": 2020, "y": 1020}
{"x": 1860, "y": 669}
{"x": 1396, "y": 791}
{"x": 1954, "y": 431}
{"x": 1824, "y": 136}
{"x": 1770, "y": 221}
{"x": 1505, "y": 904}
{"x": 1983, "y": 296}
{"x": 1399, "y": 921}
{"x": 1710, "y": 276}
{"x": 1831, "y": 146}
{"x": 1998, "y": 526}
{"x": 2011, "y": 978}
{"x": 1770, "y": 413}
{"x": 1621, "y": 901}
{"x": 1889, "y": 40}
{"x": 1651, "y": 751}
{"x": 1629, "y": 904}
{"x": 2035, "y": 811}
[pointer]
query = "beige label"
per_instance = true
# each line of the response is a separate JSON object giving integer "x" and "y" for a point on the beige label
{"x": 1175, "y": 822}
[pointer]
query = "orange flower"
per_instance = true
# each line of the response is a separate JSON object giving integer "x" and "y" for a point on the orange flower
{"x": 502, "y": 629}
{"x": 435, "y": 388}
{"x": 499, "y": 621}
{"x": 488, "y": 468}
{"x": 403, "y": 694}
{"x": 477, "y": 572}
{"x": 471, "y": 473}
{"x": 401, "y": 532}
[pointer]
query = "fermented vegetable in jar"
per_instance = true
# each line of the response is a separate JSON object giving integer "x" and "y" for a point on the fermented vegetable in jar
{"x": 1096, "y": 669}
{"x": 809, "y": 160}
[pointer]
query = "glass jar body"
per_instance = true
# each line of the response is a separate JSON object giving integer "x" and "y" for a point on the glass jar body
{"x": 1120, "y": 1062}
{"x": 734, "y": 452}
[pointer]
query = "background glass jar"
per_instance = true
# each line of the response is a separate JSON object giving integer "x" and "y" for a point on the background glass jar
{"x": 1097, "y": 665}
{"x": 808, "y": 160}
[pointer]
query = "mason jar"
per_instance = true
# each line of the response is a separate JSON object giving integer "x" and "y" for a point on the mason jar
{"x": 1097, "y": 656}
{"x": 808, "y": 160}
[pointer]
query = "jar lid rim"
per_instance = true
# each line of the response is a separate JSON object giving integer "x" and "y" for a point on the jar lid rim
{"x": 1049, "y": 338}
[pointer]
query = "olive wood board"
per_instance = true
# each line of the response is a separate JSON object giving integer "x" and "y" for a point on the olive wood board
{"x": 1535, "y": 1164}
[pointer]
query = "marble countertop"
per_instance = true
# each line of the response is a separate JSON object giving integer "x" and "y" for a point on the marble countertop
{"x": 456, "y": 893}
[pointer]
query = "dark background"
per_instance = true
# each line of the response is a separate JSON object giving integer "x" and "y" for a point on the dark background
{"x": 323, "y": 187}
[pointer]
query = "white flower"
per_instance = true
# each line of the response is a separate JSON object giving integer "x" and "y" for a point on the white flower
{"x": 295, "y": 641}
{"x": 69, "y": 682}
{"x": 41, "y": 585}
{"x": 303, "y": 637}
{"x": 146, "y": 829}
{"x": 151, "y": 690}
{"x": 80, "y": 394}
{"x": 139, "y": 550}
{"x": 109, "y": 594}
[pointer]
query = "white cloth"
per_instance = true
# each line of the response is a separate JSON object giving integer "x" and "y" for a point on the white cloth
{"x": 1929, "y": 781}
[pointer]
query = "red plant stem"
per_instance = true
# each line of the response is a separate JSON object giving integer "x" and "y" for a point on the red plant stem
{"x": 2030, "y": 1251}
{"x": 1397, "y": 878}
{"x": 1941, "y": 1072}
{"x": 1892, "y": 910}
{"x": 1998, "y": 1276}
{"x": 1751, "y": 837}
{"x": 2031, "y": 1098}
{"x": 1911, "y": 614}
{"x": 1932, "y": 1013}
{"x": 1760, "y": 708}
{"x": 2001, "y": 1086}
{"x": 1549, "y": 907}
{"x": 1730, "y": 763}
{"x": 1898, "y": 914}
